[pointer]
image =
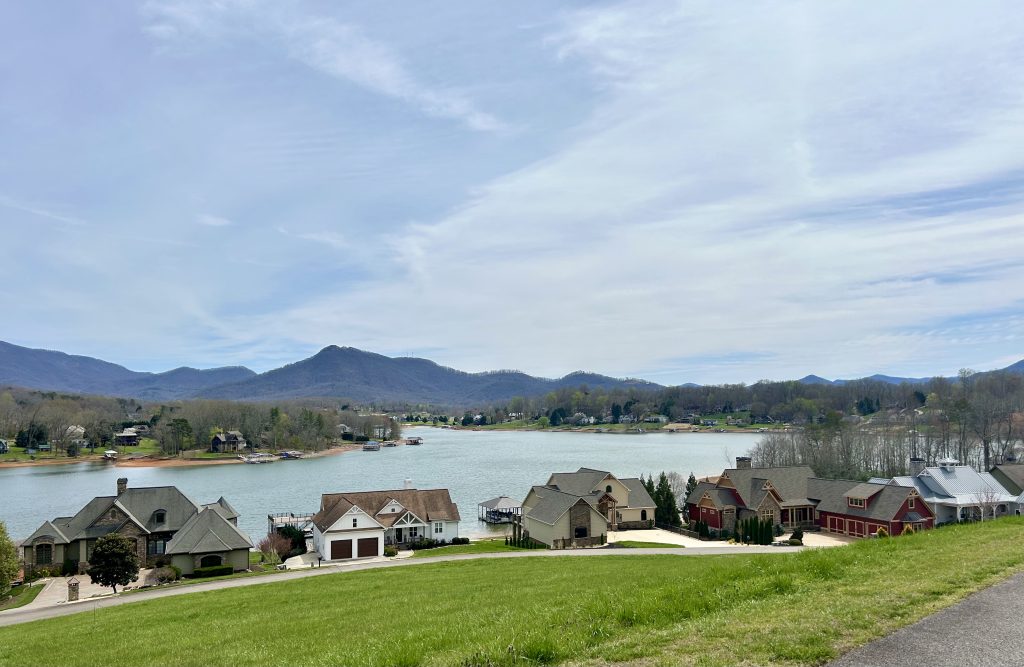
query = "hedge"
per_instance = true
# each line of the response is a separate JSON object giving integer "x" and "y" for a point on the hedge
{"x": 213, "y": 571}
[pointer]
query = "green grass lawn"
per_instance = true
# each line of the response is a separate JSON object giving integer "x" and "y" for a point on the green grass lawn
{"x": 478, "y": 547}
{"x": 774, "y": 609}
{"x": 21, "y": 596}
{"x": 633, "y": 544}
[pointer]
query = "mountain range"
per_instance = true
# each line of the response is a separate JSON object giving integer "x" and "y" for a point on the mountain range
{"x": 333, "y": 372}
{"x": 341, "y": 372}
{"x": 1016, "y": 368}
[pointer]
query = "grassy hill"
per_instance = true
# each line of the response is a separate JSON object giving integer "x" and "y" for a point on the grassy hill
{"x": 772, "y": 609}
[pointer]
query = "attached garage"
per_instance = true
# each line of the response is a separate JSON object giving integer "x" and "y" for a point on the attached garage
{"x": 341, "y": 549}
{"x": 369, "y": 547}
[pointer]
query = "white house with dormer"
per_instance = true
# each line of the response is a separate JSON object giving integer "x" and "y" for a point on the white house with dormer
{"x": 359, "y": 524}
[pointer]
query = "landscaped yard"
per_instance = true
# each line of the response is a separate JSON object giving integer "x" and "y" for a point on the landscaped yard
{"x": 477, "y": 547}
{"x": 802, "y": 608}
{"x": 21, "y": 596}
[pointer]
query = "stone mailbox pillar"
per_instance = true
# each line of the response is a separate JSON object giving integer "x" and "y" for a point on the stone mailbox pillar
{"x": 72, "y": 589}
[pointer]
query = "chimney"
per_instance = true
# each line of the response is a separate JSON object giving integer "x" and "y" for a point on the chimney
{"x": 916, "y": 466}
{"x": 408, "y": 484}
{"x": 122, "y": 485}
{"x": 742, "y": 462}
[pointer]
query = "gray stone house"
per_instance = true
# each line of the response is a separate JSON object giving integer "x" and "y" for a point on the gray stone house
{"x": 162, "y": 520}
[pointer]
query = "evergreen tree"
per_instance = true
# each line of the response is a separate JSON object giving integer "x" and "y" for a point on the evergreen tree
{"x": 665, "y": 501}
{"x": 691, "y": 484}
{"x": 8, "y": 561}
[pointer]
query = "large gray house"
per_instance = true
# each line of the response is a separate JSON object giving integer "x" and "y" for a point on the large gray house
{"x": 162, "y": 520}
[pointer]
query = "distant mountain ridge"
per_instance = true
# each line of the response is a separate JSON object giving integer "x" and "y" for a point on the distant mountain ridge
{"x": 1016, "y": 368}
{"x": 333, "y": 372}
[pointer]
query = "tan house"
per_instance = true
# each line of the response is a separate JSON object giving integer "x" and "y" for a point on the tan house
{"x": 579, "y": 508}
{"x": 163, "y": 521}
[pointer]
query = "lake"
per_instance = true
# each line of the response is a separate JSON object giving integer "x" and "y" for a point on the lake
{"x": 474, "y": 465}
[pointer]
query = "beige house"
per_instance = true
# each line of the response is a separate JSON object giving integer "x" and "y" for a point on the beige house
{"x": 579, "y": 508}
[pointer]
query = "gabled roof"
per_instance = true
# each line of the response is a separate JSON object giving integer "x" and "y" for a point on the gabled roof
{"x": 638, "y": 496}
{"x": 864, "y": 491}
{"x": 1011, "y": 476}
{"x": 206, "y": 532}
{"x": 580, "y": 483}
{"x": 500, "y": 503}
{"x": 428, "y": 504}
{"x": 552, "y": 503}
{"x": 224, "y": 508}
{"x": 48, "y": 528}
{"x": 789, "y": 482}
{"x": 832, "y": 496}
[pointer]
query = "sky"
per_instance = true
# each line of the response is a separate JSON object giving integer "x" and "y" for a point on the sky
{"x": 679, "y": 192}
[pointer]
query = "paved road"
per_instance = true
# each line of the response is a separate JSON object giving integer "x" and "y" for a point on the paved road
{"x": 15, "y": 616}
{"x": 984, "y": 630}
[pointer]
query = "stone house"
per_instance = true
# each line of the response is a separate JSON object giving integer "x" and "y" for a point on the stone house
{"x": 231, "y": 441}
{"x": 163, "y": 522}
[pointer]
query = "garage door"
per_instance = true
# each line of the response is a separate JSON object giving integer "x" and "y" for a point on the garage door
{"x": 341, "y": 549}
{"x": 368, "y": 547}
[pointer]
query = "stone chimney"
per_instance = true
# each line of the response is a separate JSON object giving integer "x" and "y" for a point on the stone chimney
{"x": 742, "y": 462}
{"x": 122, "y": 485}
{"x": 916, "y": 466}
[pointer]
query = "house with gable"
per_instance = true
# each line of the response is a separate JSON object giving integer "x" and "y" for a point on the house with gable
{"x": 956, "y": 492}
{"x": 359, "y": 524}
{"x": 859, "y": 509}
{"x": 583, "y": 506}
{"x": 231, "y": 441}
{"x": 161, "y": 520}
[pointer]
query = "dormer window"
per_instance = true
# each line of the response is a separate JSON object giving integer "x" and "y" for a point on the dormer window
{"x": 856, "y": 502}
{"x": 608, "y": 489}
{"x": 159, "y": 516}
{"x": 910, "y": 503}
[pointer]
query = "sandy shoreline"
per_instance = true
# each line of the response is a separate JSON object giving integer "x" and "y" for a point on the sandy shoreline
{"x": 153, "y": 462}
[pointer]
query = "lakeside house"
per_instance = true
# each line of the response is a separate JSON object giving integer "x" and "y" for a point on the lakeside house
{"x": 128, "y": 437}
{"x": 162, "y": 521}
{"x": 579, "y": 508}
{"x": 231, "y": 441}
{"x": 956, "y": 492}
{"x": 359, "y": 524}
{"x": 793, "y": 497}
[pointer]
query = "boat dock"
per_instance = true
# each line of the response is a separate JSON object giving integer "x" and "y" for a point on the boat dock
{"x": 371, "y": 446}
{"x": 499, "y": 510}
{"x": 303, "y": 522}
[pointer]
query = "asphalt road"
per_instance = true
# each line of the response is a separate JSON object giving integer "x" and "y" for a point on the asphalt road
{"x": 984, "y": 630}
{"x": 24, "y": 615}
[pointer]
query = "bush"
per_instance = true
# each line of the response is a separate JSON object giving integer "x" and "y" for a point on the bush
{"x": 882, "y": 532}
{"x": 166, "y": 574}
{"x": 390, "y": 551}
{"x": 161, "y": 561}
{"x": 798, "y": 534}
{"x": 460, "y": 540}
{"x": 297, "y": 537}
{"x": 177, "y": 571}
{"x": 908, "y": 530}
{"x": 425, "y": 543}
{"x": 213, "y": 571}
{"x": 794, "y": 542}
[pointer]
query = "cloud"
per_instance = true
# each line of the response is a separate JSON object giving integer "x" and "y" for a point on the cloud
{"x": 328, "y": 238}
{"x": 211, "y": 220}
{"x": 40, "y": 212}
{"x": 332, "y": 47}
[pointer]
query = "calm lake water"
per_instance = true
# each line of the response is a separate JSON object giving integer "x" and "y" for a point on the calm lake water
{"x": 474, "y": 465}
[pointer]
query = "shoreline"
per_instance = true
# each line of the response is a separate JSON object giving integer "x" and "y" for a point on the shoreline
{"x": 161, "y": 462}
{"x": 673, "y": 429}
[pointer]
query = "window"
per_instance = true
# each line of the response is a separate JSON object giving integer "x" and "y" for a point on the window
{"x": 414, "y": 531}
{"x": 608, "y": 489}
{"x": 355, "y": 522}
{"x": 857, "y": 502}
{"x": 768, "y": 515}
{"x": 156, "y": 547}
{"x": 159, "y": 516}
{"x": 910, "y": 503}
{"x": 210, "y": 561}
{"x": 44, "y": 554}
{"x": 438, "y": 527}
{"x": 643, "y": 515}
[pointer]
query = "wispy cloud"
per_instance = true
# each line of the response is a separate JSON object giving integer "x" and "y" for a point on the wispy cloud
{"x": 331, "y": 239}
{"x": 40, "y": 212}
{"x": 335, "y": 48}
{"x": 211, "y": 220}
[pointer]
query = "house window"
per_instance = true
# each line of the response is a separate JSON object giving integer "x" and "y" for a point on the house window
{"x": 859, "y": 502}
{"x": 156, "y": 547}
{"x": 355, "y": 522}
{"x": 414, "y": 531}
{"x": 608, "y": 489}
{"x": 910, "y": 503}
{"x": 44, "y": 554}
{"x": 643, "y": 515}
{"x": 159, "y": 516}
{"x": 768, "y": 515}
{"x": 438, "y": 527}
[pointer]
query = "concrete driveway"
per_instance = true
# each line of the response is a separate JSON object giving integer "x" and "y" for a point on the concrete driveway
{"x": 664, "y": 537}
{"x": 982, "y": 631}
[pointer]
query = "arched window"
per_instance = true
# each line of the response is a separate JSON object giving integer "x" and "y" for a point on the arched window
{"x": 608, "y": 489}
{"x": 211, "y": 561}
{"x": 159, "y": 516}
{"x": 643, "y": 515}
{"x": 44, "y": 554}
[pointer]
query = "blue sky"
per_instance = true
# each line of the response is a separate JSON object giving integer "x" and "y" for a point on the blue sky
{"x": 678, "y": 192}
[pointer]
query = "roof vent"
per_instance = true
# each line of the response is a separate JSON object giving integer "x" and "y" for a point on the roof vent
{"x": 948, "y": 463}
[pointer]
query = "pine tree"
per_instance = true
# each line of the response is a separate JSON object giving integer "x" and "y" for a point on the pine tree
{"x": 691, "y": 484}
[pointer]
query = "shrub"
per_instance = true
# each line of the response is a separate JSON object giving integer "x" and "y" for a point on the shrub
{"x": 177, "y": 571}
{"x": 425, "y": 543}
{"x": 798, "y": 534}
{"x": 297, "y": 537}
{"x": 793, "y": 542}
{"x": 460, "y": 540}
{"x": 166, "y": 574}
{"x": 390, "y": 551}
{"x": 908, "y": 530}
{"x": 161, "y": 561}
{"x": 882, "y": 532}
{"x": 212, "y": 571}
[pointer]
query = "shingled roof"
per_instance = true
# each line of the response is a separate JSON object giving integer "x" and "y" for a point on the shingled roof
{"x": 427, "y": 504}
{"x": 790, "y": 482}
{"x": 207, "y": 532}
{"x": 552, "y": 503}
{"x": 1011, "y": 476}
{"x": 832, "y": 494}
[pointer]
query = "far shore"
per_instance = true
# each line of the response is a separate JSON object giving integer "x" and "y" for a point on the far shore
{"x": 667, "y": 428}
{"x": 161, "y": 461}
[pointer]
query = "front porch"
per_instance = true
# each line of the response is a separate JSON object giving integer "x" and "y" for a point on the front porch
{"x": 799, "y": 516}
{"x": 406, "y": 534}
